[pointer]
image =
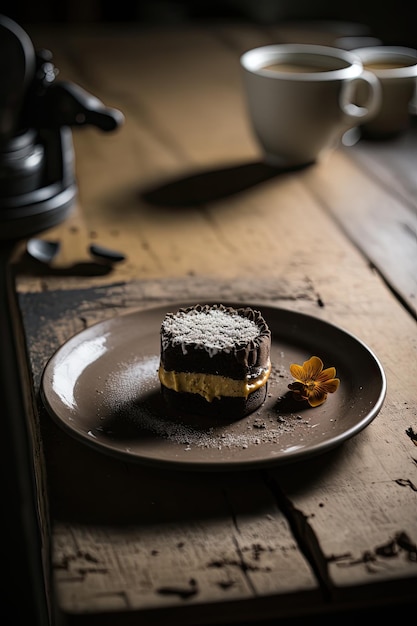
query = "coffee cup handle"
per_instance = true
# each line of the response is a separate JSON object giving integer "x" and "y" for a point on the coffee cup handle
{"x": 372, "y": 101}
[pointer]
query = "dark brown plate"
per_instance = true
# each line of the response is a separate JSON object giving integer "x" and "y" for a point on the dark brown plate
{"x": 102, "y": 387}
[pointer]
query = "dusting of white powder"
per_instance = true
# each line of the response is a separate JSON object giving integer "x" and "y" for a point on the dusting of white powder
{"x": 212, "y": 330}
{"x": 130, "y": 381}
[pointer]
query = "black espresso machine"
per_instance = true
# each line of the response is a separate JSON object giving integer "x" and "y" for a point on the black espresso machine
{"x": 38, "y": 189}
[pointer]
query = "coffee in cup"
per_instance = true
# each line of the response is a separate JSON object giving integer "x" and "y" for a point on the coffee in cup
{"x": 396, "y": 69}
{"x": 301, "y": 99}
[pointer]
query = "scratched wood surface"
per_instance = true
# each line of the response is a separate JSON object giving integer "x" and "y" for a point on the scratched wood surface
{"x": 181, "y": 189}
{"x": 187, "y": 143}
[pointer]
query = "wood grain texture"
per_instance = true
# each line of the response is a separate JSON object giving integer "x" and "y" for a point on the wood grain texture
{"x": 328, "y": 529}
{"x": 171, "y": 173}
{"x": 182, "y": 190}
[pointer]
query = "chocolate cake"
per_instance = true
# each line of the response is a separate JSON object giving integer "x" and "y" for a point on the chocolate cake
{"x": 215, "y": 360}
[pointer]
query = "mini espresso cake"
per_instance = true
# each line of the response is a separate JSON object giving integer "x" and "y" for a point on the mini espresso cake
{"x": 215, "y": 360}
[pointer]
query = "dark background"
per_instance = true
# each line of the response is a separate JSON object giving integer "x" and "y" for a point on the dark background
{"x": 393, "y": 23}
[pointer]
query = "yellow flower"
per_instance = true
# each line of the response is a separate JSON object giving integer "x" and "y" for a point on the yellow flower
{"x": 312, "y": 382}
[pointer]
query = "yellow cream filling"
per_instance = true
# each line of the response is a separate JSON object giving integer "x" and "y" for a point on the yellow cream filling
{"x": 211, "y": 386}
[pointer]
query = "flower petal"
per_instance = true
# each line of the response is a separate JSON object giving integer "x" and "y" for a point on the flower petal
{"x": 297, "y": 372}
{"x": 312, "y": 368}
{"x": 327, "y": 374}
{"x": 317, "y": 397}
{"x": 330, "y": 386}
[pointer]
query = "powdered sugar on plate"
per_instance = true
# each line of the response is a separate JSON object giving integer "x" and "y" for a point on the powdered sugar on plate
{"x": 132, "y": 392}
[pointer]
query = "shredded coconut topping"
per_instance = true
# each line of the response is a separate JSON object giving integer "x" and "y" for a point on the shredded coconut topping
{"x": 213, "y": 329}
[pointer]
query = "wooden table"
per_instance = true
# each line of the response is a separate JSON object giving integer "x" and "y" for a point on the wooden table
{"x": 182, "y": 191}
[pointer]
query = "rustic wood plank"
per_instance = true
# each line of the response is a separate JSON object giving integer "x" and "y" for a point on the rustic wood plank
{"x": 202, "y": 524}
{"x": 381, "y": 220}
{"x": 343, "y": 515}
{"x": 395, "y": 175}
{"x": 162, "y": 161}
{"x": 180, "y": 556}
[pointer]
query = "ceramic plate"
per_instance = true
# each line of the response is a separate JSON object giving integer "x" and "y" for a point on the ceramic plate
{"x": 102, "y": 388}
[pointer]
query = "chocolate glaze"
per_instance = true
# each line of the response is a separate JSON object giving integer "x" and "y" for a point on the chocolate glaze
{"x": 244, "y": 359}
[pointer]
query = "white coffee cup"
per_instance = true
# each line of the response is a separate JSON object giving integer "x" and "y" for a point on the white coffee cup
{"x": 301, "y": 99}
{"x": 396, "y": 69}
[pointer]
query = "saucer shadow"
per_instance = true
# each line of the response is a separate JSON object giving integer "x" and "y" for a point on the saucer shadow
{"x": 209, "y": 186}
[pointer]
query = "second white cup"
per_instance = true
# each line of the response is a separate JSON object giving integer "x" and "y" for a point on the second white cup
{"x": 396, "y": 70}
{"x": 301, "y": 99}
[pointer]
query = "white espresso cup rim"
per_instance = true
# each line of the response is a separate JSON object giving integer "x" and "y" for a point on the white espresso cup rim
{"x": 400, "y": 54}
{"x": 255, "y": 60}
